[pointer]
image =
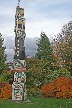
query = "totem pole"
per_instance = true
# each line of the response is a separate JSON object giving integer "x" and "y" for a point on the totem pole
{"x": 19, "y": 64}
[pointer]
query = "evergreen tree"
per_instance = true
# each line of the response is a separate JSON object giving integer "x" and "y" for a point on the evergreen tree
{"x": 44, "y": 49}
{"x": 2, "y": 55}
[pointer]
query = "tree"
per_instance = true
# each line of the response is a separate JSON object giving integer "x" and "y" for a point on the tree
{"x": 40, "y": 68}
{"x": 33, "y": 71}
{"x": 62, "y": 47}
{"x": 44, "y": 50}
{"x": 7, "y": 76}
{"x": 2, "y": 55}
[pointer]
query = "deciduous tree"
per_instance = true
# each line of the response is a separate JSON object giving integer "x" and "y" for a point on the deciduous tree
{"x": 62, "y": 47}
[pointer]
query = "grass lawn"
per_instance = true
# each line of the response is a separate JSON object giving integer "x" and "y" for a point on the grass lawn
{"x": 38, "y": 103}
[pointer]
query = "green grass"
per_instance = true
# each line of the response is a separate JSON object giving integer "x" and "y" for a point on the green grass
{"x": 38, "y": 103}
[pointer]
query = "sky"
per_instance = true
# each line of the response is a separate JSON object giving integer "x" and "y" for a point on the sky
{"x": 41, "y": 15}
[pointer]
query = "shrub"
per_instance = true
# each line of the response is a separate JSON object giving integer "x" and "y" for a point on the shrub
{"x": 35, "y": 92}
{"x": 52, "y": 75}
{"x": 5, "y": 90}
{"x": 6, "y": 76}
{"x": 61, "y": 87}
{"x": 63, "y": 71}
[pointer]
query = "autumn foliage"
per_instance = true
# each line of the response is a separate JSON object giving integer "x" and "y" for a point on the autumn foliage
{"x": 62, "y": 47}
{"x": 5, "y": 90}
{"x": 61, "y": 87}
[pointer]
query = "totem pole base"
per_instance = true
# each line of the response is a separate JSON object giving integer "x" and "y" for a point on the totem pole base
{"x": 25, "y": 101}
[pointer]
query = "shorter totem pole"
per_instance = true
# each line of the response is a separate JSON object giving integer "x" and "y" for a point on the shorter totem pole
{"x": 19, "y": 64}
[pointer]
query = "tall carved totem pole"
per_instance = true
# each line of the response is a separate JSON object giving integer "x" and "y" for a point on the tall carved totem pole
{"x": 19, "y": 64}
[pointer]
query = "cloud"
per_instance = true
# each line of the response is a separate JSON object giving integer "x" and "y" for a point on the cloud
{"x": 38, "y": 17}
{"x": 30, "y": 43}
{"x": 6, "y": 11}
{"x": 9, "y": 42}
{"x": 50, "y": 2}
{"x": 10, "y": 54}
{"x": 30, "y": 46}
{"x": 50, "y": 27}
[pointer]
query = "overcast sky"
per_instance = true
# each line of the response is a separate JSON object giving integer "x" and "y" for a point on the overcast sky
{"x": 41, "y": 15}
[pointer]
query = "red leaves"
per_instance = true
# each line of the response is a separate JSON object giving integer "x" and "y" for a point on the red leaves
{"x": 61, "y": 87}
{"x": 5, "y": 91}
